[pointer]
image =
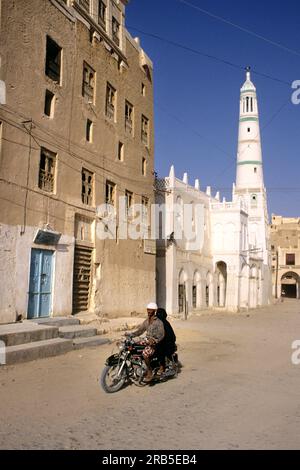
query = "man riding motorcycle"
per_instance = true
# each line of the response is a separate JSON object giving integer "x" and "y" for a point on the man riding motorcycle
{"x": 155, "y": 332}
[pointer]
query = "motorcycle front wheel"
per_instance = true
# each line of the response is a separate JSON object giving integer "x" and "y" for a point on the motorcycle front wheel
{"x": 110, "y": 381}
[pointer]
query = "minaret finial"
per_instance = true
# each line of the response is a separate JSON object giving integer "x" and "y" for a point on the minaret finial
{"x": 248, "y": 68}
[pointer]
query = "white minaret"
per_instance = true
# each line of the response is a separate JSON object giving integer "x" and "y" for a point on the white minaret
{"x": 250, "y": 184}
{"x": 249, "y": 173}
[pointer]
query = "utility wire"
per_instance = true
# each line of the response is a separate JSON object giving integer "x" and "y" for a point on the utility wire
{"x": 209, "y": 56}
{"x": 241, "y": 28}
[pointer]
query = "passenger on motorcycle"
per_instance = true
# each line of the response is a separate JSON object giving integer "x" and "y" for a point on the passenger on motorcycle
{"x": 155, "y": 332}
{"x": 167, "y": 347}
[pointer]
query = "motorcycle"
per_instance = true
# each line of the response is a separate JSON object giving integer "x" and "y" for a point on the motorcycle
{"x": 129, "y": 366}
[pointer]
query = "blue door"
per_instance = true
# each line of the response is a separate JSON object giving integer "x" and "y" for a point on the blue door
{"x": 40, "y": 286}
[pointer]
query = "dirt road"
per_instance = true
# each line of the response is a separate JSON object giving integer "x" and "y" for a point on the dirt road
{"x": 238, "y": 389}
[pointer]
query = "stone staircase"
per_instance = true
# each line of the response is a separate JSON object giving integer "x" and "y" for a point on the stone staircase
{"x": 36, "y": 339}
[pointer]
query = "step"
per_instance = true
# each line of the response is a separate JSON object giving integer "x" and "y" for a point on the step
{"x": 79, "y": 343}
{"x": 57, "y": 321}
{"x": 37, "y": 350}
{"x": 27, "y": 332}
{"x": 77, "y": 331}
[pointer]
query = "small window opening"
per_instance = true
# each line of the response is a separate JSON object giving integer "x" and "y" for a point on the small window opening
{"x": 49, "y": 104}
{"x": 87, "y": 178}
{"x": 89, "y": 128}
{"x": 144, "y": 167}
{"x": 121, "y": 152}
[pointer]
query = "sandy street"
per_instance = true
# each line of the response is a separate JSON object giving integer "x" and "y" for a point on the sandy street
{"x": 238, "y": 389}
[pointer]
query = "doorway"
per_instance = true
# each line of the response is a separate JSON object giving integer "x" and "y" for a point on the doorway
{"x": 82, "y": 278}
{"x": 40, "y": 284}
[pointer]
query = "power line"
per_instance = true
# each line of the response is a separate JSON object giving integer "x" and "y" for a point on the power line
{"x": 193, "y": 131}
{"x": 241, "y": 28}
{"x": 74, "y": 144}
{"x": 59, "y": 146}
{"x": 209, "y": 56}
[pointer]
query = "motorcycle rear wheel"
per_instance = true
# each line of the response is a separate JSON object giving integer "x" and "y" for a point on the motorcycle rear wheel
{"x": 109, "y": 380}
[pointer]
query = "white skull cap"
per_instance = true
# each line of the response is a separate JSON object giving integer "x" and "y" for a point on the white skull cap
{"x": 152, "y": 306}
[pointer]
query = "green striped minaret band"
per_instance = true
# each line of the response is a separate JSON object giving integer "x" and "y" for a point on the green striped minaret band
{"x": 248, "y": 91}
{"x": 249, "y": 119}
{"x": 250, "y": 162}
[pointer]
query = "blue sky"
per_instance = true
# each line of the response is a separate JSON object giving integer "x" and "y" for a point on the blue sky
{"x": 197, "y": 99}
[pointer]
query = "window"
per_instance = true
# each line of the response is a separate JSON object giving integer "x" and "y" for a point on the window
{"x": 115, "y": 31}
{"x": 110, "y": 102}
{"x": 121, "y": 152}
{"x": 110, "y": 193}
{"x": 128, "y": 117}
{"x": 47, "y": 170}
{"x": 88, "y": 83}
{"x": 144, "y": 166}
{"x": 85, "y": 4}
{"x": 87, "y": 187}
{"x": 255, "y": 169}
{"x": 129, "y": 202}
{"x": 290, "y": 259}
{"x": 145, "y": 130}
{"x": 53, "y": 60}
{"x": 143, "y": 89}
{"x": 49, "y": 104}
{"x": 253, "y": 200}
{"x": 89, "y": 130}
{"x": 248, "y": 130}
{"x": 102, "y": 13}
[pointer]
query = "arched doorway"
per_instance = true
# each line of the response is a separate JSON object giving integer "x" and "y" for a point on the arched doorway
{"x": 290, "y": 283}
{"x": 182, "y": 289}
{"x": 221, "y": 269}
{"x": 209, "y": 290}
{"x": 196, "y": 294}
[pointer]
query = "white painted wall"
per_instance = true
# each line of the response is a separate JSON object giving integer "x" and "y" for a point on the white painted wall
{"x": 15, "y": 255}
